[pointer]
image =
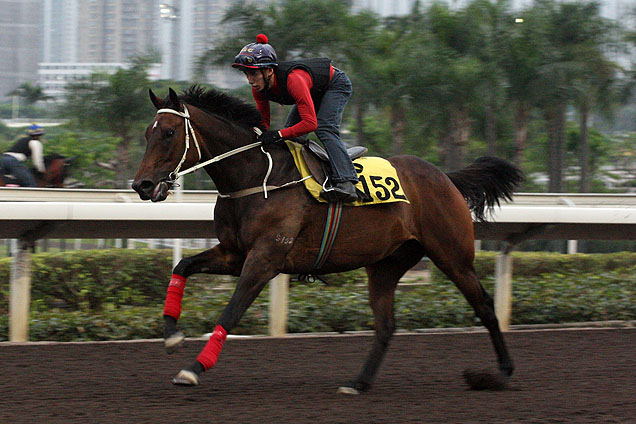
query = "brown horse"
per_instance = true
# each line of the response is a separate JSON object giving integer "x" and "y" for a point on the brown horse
{"x": 56, "y": 172}
{"x": 261, "y": 236}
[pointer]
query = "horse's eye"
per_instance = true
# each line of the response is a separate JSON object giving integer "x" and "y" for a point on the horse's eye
{"x": 169, "y": 133}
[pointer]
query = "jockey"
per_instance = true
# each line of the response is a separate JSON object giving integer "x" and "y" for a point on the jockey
{"x": 26, "y": 147}
{"x": 318, "y": 92}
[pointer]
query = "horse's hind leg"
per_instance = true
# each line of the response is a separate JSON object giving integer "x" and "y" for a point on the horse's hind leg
{"x": 465, "y": 278}
{"x": 383, "y": 279}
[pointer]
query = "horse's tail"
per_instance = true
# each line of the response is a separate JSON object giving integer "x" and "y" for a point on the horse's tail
{"x": 485, "y": 181}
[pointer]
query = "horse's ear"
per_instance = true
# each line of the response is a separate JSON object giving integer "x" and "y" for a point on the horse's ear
{"x": 174, "y": 99}
{"x": 159, "y": 103}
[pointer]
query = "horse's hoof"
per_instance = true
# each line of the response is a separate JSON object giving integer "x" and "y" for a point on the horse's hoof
{"x": 348, "y": 390}
{"x": 485, "y": 380}
{"x": 354, "y": 388}
{"x": 186, "y": 378}
{"x": 174, "y": 342}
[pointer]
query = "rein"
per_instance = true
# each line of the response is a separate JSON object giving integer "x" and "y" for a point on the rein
{"x": 174, "y": 175}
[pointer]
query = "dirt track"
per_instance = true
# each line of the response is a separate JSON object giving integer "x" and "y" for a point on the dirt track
{"x": 562, "y": 376}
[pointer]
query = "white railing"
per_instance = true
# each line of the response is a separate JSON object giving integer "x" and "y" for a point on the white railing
{"x": 611, "y": 218}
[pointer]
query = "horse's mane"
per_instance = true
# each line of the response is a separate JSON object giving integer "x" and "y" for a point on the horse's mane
{"x": 218, "y": 103}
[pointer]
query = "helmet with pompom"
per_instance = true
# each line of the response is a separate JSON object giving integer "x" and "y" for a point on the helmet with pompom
{"x": 256, "y": 55}
{"x": 35, "y": 129}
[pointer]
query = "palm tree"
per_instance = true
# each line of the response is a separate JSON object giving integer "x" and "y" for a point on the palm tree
{"x": 572, "y": 35}
{"x": 30, "y": 93}
{"x": 296, "y": 28}
{"x": 449, "y": 79}
{"x": 520, "y": 59}
{"x": 117, "y": 104}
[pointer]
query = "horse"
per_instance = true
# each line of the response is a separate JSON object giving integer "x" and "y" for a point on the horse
{"x": 265, "y": 232}
{"x": 57, "y": 167}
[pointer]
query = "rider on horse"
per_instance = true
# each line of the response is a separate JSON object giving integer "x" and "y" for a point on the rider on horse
{"x": 318, "y": 92}
{"x": 26, "y": 147}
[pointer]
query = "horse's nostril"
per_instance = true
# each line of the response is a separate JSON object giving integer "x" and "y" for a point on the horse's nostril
{"x": 142, "y": 186}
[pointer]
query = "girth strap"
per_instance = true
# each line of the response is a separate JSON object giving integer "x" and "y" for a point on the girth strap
{"x": 332, "y": 224}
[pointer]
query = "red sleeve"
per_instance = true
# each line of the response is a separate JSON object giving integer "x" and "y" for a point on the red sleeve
{"x": 298, "y": 85}
{"x": 263, "y": 107}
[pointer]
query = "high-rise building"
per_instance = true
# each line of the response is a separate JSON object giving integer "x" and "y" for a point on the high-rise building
{"x": 113, "y": 31}
{"x": 60, "y": 25}
{"x": 189, "y": 28}
{"x": 612, "y": 9}
{"x": 80, "y": 36}
{"x": 384, "y": 7}
{"x": 19, "y": 43}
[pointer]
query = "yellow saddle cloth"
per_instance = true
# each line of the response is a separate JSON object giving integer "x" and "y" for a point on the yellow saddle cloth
{"x": 377, "y": 178}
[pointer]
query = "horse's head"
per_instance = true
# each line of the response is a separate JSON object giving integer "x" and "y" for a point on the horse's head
{"x": 57, "y": 167}
{"x": 166, "y": 151}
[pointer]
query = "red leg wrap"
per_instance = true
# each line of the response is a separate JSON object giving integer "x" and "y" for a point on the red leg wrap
{"x": 212, "y": 349}
{"x": 172, "y": 307}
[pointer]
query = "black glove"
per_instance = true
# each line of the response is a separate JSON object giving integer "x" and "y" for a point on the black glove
{"x": 269, "y": 137}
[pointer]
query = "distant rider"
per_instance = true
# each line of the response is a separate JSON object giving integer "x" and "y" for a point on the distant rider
{"x": 318, "y": 92}
{"x": 13, "y": 159}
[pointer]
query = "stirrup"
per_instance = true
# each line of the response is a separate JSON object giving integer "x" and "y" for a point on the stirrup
{"x": 312, "y": 278}
{"x": 331, "y": 195}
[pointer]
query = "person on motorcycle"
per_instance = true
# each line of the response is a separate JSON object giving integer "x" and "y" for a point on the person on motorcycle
{"x": 13, "y": 159}
{"x": 318, "y": 92}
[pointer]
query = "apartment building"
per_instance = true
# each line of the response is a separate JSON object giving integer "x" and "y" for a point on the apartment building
{"x": 19, "y": 43}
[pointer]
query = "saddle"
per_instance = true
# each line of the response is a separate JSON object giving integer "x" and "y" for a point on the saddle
{"x": 378, "y": 181}
{"x": 317, "y": 159}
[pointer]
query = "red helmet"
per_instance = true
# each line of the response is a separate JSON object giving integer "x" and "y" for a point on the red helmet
{"x": 256, "y": 55}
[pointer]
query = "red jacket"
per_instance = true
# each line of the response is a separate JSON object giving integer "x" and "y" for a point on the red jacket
{"x": 299, "y": 83}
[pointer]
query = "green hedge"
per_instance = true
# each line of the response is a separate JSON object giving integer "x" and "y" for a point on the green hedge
{"x": 531, "y": 264}
{"x": 118, "y": 294}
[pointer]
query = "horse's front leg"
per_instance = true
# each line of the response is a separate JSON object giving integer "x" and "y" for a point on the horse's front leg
{"x": 217, "y": 260}
{"x": 255, "y": 275}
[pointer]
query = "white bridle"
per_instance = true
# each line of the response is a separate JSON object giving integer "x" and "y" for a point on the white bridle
{"x": 174, "y": 175}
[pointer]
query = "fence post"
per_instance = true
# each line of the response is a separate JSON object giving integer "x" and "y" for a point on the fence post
{"x": 278, "y": 301}
{"x": 177, "y": 246}
{"x": 503, "y": 289}
{"x": 20, "y": 294}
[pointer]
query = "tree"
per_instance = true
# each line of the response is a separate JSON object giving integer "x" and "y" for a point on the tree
{"x": 595, "y": 87}
{"x": 519, "y": 59}
{"x": 296, "y": 29}
{"x": 448, "y": 80}
{"x": 117, "y": 104}
{"x": 357, "y": 52}
{"x": 30, "y": 93}
{"x": 388, "y": 71}
{"x": 566, "y": 30}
